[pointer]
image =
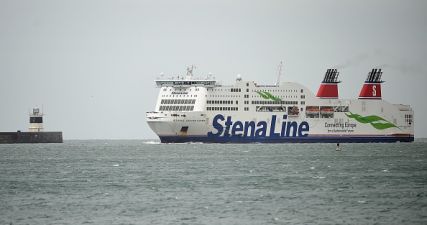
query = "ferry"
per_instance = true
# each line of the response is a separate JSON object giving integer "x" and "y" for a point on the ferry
{"x": 190, "y": 109}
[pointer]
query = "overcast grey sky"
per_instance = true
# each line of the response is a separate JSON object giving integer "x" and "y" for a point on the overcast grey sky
{"x": 91, "y": 64}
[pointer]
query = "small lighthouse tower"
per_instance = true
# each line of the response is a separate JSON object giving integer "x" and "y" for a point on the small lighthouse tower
{"x": 36, "y": 121}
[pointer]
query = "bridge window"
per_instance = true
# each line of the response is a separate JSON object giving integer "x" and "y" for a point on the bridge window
{"x": 312, "y": 111}
{"x": 293, "y": 111}
{"x": 326, "y": 112}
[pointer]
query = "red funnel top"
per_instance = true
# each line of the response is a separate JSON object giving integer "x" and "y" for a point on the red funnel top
{"x": 371, "y": 89}
{"x": 329, "y": 86}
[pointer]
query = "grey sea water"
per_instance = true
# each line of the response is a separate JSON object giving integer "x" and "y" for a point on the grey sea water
{"x": 144, "y": 182}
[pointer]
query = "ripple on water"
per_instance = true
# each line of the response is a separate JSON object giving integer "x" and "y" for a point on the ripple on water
{"x": 145, "y": 182}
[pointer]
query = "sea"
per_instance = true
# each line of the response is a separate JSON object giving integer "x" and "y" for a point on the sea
{"x": 146, "y": 182}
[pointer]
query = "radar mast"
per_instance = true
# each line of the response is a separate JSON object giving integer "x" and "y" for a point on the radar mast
{"x": 279, "y": 73}
{"x": 189, "y": 75}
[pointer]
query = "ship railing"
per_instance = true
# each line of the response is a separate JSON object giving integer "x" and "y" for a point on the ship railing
{"x": 185, "y": 83}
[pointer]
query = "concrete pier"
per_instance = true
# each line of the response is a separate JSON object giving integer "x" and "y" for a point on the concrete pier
{"x": 30, "y": 137}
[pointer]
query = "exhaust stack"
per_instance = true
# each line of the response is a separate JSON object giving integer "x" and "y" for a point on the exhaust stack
{"x": 372, "y": 87}
{"x": 329, "y": 86}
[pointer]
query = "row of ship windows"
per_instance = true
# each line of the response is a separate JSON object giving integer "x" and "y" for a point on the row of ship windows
{"x": 292, "y": 110}
{"x": 255, "y": 102}
{"x": 311, "y": 111}
{"x": 227, "y": 96}
{"x": 178, "y": 101}
{"x": 247, "y": 96}
{"x": 181, "y": 89}
{"x": 275, "y": 102}
{"x": 178, "y": 96}
{"x": 281, "y": 90}
{"x": 237, "y": 90}
{"x": 324, "y": 111}
{"x": 225, "y": 89}
{"x": 281, "y": 96}
{"x": 220, "y": 102}
{"x": 317, "y": 108}
{"x": 176, "y": 108}
{"x": 222, "y": 108}
{"x": 247, "y": 90}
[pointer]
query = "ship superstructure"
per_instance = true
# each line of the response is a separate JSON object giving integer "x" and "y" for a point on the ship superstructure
{"x": 201, "y": 110}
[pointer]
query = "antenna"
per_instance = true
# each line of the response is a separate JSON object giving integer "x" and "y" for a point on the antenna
{"x": 279, "y": 73}
{"x": 190, "y": 72}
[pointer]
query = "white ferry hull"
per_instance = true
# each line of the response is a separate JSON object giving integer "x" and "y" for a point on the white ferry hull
{"x": 202, "y": 129}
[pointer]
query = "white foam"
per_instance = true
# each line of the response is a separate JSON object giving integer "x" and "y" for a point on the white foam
{"x": 151, "y": 142}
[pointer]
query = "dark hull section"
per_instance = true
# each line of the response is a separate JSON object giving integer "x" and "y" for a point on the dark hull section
{"x": 30, "y": 137}
{"x": 308, "y": 139}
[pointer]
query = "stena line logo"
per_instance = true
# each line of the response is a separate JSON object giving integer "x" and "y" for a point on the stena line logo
{"x": 226, "y": 127}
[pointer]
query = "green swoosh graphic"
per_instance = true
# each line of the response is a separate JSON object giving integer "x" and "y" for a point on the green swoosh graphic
{"x": 264, "y": 96}
{"x": 377, "y": 122}
{"x": 268, "y": 95}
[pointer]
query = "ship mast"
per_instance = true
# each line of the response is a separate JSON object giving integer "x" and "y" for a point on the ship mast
{"x": 189, "y": 72}
{"x": 279, "y": 74}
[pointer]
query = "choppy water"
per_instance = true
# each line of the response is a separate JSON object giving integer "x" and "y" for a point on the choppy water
{"x": 140, "y": 182}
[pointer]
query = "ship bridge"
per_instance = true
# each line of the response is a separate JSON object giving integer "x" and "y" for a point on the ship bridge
{"x": 187, "y": 81}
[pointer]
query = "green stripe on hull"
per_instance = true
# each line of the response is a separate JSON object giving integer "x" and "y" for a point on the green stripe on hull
{"x": 377, "y": 122}
{"x": 268, "y": 95}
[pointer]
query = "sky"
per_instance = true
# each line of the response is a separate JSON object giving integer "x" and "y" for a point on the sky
{"x": 91, "y": 64}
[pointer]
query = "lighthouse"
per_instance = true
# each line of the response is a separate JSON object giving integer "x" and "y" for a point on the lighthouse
{"x": 36, "y": 121}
